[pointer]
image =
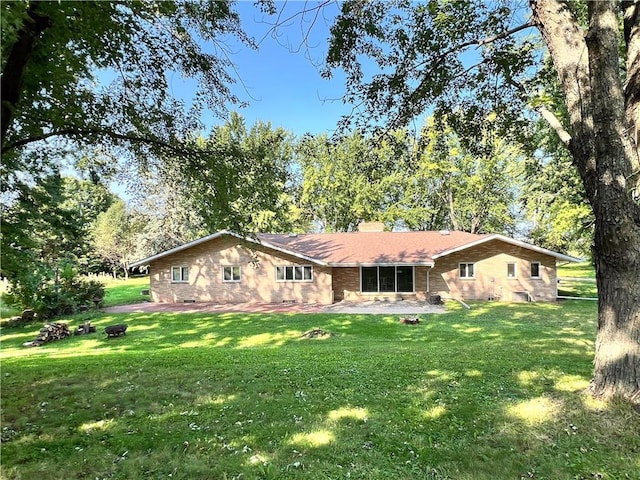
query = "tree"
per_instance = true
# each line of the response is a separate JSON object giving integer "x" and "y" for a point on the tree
{"x": 53, "y": 53}
{"x": 339, "y": 184}
{"x": 37, "y": 229}
{"x": 554, "y": 200}
{"x": 240, "y": 179}
{"x": 428, "y": 183}
{"x": 470, "y": 192}
{"x": 115, "y": 232}
{"x": 468, "y": 59}
{"x": 81, "y": 77}
{"x": 84, "y": 201}
{"x": 170, "y": 216}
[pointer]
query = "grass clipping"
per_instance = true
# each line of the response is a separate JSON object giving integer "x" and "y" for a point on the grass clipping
{"x": 317, "y": 333}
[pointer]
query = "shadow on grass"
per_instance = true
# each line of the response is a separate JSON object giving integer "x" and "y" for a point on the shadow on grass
{"x": 489, "y": 393}
{"x": 291, "y": 413}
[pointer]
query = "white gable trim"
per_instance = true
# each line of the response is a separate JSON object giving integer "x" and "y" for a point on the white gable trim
{"x": 511, "y": 241}
{"x": 148, "y": 260}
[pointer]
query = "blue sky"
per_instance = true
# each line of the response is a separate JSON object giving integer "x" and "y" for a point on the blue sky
{"x": 282, "y": 85}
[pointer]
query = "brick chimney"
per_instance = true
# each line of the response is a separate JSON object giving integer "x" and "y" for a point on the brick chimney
{"x": 371, "y": 227}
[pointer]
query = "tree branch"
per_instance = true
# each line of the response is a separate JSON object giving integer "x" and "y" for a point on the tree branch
{"x": 477, "y": 42}
{"x": 554, "y": 123}
{"x": 74, "y": 132}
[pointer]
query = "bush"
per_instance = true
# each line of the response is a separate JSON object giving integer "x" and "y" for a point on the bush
{"x": 49, "y": 297}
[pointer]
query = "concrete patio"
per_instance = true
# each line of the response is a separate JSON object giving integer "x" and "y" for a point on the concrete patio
{"x": 407, "y": 307}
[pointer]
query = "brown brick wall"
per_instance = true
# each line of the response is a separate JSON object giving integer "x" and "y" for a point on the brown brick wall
{"x": 258, "y": 284}
{"x": 491, "y": 261}
{"x": 345, "y": 279}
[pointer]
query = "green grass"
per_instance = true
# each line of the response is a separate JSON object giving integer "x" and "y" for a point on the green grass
{"x": 490, "y": 393}
{"x": 124, "y": 292}
{"x": 577, "y": 270}
{"x": 578, "y": 288}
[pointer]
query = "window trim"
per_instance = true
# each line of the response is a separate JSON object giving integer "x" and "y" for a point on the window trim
{"x": 182, "y": 268}
{"x": 539, "y": 276}
{"x": 232, "y": 267}
{"x": 515, "y": 270}
{"x": 294, "y": 269}
{"x": 466, "y": 276}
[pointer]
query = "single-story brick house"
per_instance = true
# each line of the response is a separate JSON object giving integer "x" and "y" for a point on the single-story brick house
{"x": 324, "y": 268}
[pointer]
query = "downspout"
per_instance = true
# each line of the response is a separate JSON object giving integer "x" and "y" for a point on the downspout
{"x": 428, "y": 287}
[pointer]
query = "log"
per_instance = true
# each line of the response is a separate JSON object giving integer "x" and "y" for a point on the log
{"x": 84, "y": 329}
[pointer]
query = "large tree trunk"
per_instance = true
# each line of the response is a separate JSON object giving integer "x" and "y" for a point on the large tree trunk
{"x": 617, "y": 242}
{"x": 617, "y": 246}
{"x": 14, "y": 69}
{"x": 606, "y": 154}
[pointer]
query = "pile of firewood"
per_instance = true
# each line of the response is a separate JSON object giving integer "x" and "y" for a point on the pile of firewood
{"x": 49, "y": 333}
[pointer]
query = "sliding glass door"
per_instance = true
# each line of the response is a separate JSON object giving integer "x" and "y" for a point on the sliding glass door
{"x": 387, "y": 279}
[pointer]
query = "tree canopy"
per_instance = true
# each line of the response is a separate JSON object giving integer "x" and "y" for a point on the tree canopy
{"x": 466, "y": 60}
{"x": 84, "y": 76}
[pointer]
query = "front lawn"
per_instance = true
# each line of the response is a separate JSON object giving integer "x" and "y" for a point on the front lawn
{"x": 489, "y": 393}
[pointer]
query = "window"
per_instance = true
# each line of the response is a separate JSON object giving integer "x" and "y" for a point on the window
{"x": 467, "y": 270}
{"x": 369, "y": 277}
{"x": 511, "y": 270}
{"x": 405, "y": 279}
{"x": 535, "y": 269}
{"x": 231, "y": 273}
{"x": 386, "y": 279}
{"x": 179, "y": 274}
{"x": 295, "y": 273}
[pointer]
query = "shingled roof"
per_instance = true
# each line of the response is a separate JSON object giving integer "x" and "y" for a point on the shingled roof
{"x": 367, "y": 248}
{"x": 371, "y": 248}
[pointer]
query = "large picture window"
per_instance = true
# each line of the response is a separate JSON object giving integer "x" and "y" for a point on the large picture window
{"x": 294, "y": 273}
{"x": 387, "y": 279}
{"x": 179, "y": 274}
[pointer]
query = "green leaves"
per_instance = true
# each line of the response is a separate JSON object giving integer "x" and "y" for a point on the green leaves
{"x": 98, "y": 75}
{"x": 426, "y": 183}
{"x": 239, "y": 178}
{"x": 452, "y": 57}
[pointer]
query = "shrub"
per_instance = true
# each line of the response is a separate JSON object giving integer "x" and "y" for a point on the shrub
{"x": 51, "y": 295}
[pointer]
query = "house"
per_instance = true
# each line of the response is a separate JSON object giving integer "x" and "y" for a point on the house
{"x": 329, "y": 267}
